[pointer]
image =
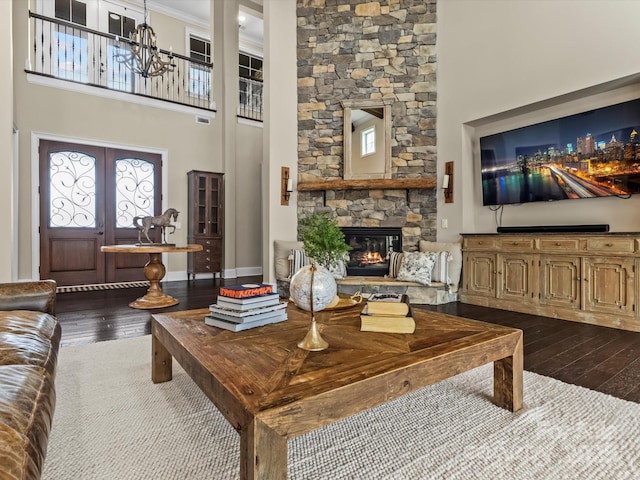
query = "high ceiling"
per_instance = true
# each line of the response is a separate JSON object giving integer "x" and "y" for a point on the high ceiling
{"x": 251, "y": 28}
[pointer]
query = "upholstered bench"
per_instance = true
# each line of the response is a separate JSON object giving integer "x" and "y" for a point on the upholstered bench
{"x": 435, "y": 293}
{"x": 29, "y": 343}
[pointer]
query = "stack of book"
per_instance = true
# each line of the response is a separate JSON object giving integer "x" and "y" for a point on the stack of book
{"x": 388, "y": 313}
{"x": 241, "y": 307}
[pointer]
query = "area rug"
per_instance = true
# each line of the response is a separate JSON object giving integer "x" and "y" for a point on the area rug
{"x": 100, "y": 286}
{"x": 111, "y": 422}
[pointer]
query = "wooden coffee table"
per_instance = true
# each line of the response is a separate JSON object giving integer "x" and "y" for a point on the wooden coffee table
{"x": 270, "y": 390}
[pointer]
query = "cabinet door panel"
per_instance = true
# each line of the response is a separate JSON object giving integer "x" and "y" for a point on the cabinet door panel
{"x": 480, "y": 273}
{"x": 560, "y": 281}
{"x": 515, "y": 277}
{"x": 609, "y": 285}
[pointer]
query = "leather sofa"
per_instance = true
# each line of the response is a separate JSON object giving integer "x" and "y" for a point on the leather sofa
{"x": 29, "y": 343}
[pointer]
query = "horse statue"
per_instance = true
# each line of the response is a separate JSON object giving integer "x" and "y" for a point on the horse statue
{"x": 143, "y": 224}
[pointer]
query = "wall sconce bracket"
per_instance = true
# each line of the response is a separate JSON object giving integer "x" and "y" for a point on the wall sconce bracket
{"x": 447, "y": 182}
{"x": 286, "y": 186}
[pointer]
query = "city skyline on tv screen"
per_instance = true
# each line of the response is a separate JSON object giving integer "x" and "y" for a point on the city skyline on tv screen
{"x": 590, "y": 154}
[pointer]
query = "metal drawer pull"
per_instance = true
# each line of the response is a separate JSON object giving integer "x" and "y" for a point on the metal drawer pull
{"x": 608, "y": 244}
{"x": 558, "y": 244}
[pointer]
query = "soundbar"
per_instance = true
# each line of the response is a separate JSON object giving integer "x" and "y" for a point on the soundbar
{"x": 596, "y": 228}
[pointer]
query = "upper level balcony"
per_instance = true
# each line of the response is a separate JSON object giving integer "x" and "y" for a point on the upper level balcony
{"x": 74, "y": 53}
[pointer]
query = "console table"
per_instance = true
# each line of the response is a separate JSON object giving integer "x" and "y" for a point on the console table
{"x": 154, "y": 271}
{"x": 589, "y": 278}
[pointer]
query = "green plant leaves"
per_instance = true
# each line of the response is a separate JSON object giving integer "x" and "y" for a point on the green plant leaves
{"x": 323, "y": 240}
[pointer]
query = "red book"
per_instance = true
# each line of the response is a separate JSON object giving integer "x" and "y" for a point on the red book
{"x": 247, "y": 290}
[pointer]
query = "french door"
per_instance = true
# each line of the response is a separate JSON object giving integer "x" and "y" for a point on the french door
{"x": 89, "y": 196}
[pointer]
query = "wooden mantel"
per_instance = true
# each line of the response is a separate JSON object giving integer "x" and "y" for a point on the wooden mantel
{"x": 372, "y": 184}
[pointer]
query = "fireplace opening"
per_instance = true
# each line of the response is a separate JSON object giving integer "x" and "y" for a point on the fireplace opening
{"x": 371, "y": 248}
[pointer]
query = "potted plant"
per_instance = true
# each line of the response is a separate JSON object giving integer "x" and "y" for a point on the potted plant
{"x": 323, "y": 240}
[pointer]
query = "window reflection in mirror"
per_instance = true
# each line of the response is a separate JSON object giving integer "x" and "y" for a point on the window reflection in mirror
{"x": 367, "y": 134}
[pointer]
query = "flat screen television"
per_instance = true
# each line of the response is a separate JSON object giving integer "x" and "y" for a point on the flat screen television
{"x": 586, "y": 155}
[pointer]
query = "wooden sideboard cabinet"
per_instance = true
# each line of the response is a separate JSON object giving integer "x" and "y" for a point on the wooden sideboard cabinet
{"x": 589, "y": 278}
{"x": 206, "y": 222}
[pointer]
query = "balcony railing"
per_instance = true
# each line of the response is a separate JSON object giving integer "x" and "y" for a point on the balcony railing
{"x": 74, "y": 53}
{"x": 78, "y": 54}
{"x": 250, "y": 101}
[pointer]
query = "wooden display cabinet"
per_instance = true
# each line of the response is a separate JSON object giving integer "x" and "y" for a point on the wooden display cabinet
{"x": 590, "y": 278}
{"x": 206, "y": 222}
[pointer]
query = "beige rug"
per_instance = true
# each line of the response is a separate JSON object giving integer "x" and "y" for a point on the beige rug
{"x": 112, "y": 423}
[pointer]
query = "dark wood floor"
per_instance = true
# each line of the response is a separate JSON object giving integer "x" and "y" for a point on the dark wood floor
{"x": 599, "y": 358}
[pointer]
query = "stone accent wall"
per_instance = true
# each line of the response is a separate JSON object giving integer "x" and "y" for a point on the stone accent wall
{"x": 383, "y": 50}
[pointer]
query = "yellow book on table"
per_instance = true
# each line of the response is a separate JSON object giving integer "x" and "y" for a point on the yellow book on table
{"x": 387, "y": 309}
{"x": 387, "y": 324}
{"x": 387, "y": 317}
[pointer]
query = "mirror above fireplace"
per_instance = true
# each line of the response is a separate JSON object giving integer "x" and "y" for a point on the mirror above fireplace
{"x": 367, "y": 139}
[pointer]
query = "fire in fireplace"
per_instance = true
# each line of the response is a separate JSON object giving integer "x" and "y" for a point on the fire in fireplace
{"x": 371, "y": 248}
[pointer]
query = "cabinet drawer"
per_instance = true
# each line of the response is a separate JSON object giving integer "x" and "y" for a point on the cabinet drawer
{"x": 559, "y": 244}
{"x": 206, "y": 266}
{"x": 606, "y": 245}
{"x": 516, "y": 244}
{"x": 208, "y": 242}
{"x": 213, "y": 245}
{"x": 204, "y": 257}
{"x": 209, "y": 250}
{"x": 479, "y": 243}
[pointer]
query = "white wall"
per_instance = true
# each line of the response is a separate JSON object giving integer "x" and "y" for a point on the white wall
{"x": 6, "y": 147}
{"x": 281, "y": 126}
{"x": 524, "y": 62}
{"x": 248, "y": 202}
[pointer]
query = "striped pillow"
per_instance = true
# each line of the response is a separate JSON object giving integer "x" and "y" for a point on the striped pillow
{"x": 440, "y": 271}
{"x": 297, "y": 260}
{"x": 395, "y": 260}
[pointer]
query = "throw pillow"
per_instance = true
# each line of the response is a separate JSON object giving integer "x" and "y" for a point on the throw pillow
{"x": 417, "y": 267}
{"x": 440, "y": 271}
{"x": 281, "y": 253}
{"x": 297, "y": 260}
{"x": 455, "y": 249}
{"x": 395, "y": 259}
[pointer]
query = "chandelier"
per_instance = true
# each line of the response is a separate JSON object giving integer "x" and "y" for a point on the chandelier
{"x": 143, "y": 56}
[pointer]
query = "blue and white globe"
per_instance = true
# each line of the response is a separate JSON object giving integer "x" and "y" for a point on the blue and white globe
{"x": 324, "y": 288}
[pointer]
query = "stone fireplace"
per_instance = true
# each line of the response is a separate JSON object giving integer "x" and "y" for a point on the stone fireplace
{"x": 352, "y": 51}
{"x": 370, "y": 249}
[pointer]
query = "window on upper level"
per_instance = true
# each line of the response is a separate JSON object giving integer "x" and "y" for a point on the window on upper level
{"x": 250, "y": 72}
{"x": 119, "y": 77}
{"x": 72, "y": 11}
{"x": 71, "y": 46}
{"x": 199, "y": 75}
{"x": 250, "y": 66}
